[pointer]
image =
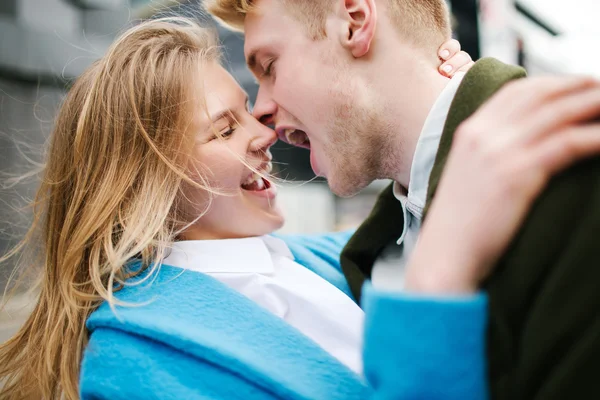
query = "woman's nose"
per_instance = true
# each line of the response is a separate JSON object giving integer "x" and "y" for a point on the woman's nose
{"x": 264, "y": 107}
{"x": 264, "y": 139}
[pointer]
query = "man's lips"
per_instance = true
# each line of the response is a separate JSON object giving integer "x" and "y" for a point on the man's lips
{"x": 314, "y": 164}
{"x": 299, "y": 138}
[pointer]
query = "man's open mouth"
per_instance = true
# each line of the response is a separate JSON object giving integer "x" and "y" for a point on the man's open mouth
{"x": 296, "y": 137}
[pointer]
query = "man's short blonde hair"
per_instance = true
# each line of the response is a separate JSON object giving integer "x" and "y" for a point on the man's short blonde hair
{"x": 423, "y": 22}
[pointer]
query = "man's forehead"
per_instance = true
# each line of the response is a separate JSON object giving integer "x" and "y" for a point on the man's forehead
{"x": 260, "y": 31}
{"x": 258, "y": 27}
{"x": 252, "y": 45}
{"x": 252, "y": 37}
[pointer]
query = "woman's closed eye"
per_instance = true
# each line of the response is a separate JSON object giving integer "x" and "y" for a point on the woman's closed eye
{"x": 226, "y": 133}
{"x": 225, "y": 127}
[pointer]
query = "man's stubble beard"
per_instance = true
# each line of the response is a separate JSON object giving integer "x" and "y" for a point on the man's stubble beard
{"x": 361, "y": 150}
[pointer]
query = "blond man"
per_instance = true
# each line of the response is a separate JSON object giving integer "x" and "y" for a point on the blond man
{"x": 356, "y": 82}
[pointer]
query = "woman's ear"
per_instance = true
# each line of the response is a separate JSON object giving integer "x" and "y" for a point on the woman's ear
{"x": 361, "y": 19}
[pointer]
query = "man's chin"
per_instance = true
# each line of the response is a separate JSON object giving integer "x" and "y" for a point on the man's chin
{"x": 345, "y": 187}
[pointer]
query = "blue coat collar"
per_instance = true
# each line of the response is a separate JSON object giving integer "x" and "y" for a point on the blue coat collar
{"x": 200, "y": 316}
{"x": 321, "y": 255}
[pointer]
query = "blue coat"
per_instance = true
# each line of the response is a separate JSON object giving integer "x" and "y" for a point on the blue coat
{"x": 188, "y": 336}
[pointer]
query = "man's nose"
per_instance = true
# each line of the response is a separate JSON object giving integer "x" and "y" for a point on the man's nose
{"x": 264, "y": 107}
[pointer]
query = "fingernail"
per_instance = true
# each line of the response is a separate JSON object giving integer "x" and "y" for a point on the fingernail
{"x": 445, "y": 54}
{"x": 447, "y": 68}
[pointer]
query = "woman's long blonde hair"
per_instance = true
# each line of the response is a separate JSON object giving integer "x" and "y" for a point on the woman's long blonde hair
{"x": 110, "y": 191}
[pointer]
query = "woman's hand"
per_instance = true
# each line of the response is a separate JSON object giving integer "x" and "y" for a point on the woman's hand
{"x": 501, "y": 160}
{"x": 453, "y": 59}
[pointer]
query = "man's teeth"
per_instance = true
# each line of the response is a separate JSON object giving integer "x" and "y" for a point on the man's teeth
{"x": 288, "y": 134}
{"x": 294, "y": 136}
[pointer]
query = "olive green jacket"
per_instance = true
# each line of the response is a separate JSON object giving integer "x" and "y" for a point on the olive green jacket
{"x": 544, "y": 308}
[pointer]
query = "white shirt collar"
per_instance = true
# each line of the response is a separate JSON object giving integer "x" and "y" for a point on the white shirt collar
{"x": 228, "y": 255}
{"x": 426, "y": 150}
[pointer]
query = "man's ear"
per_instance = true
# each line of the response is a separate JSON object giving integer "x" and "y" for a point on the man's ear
{"x": 361, "y": 19}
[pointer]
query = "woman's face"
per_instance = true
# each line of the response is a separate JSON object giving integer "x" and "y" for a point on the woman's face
{"x": 247, "y": 205}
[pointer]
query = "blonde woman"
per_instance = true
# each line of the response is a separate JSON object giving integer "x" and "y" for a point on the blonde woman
{"x": 160, "y": 279}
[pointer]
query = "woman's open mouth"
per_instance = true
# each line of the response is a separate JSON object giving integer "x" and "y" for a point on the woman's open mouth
{"x": 256, "y": 183}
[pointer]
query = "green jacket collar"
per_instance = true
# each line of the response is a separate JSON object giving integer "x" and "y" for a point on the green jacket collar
{"x": 385, "y": 222}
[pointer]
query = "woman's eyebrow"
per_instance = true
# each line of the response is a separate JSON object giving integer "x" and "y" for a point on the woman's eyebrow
{"x": 226, "y": 113}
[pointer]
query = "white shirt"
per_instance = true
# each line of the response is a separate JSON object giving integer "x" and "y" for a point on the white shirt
{"x": 263, "y": 269}
{"x": 388, "y": 270}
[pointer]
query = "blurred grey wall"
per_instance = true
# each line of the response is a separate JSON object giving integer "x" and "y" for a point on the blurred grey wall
{"x": 44, "y": 44}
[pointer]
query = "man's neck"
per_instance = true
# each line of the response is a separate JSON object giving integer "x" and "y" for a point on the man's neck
{"x": 417, "y": 101}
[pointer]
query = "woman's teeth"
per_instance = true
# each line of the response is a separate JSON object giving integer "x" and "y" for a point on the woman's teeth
{"x": 256, "y": 181}
{"x": 255, "y": 185}
{"x": 253, "y": 179}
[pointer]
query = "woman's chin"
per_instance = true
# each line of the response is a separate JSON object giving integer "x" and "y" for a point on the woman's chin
{"x": 263, "y": 222}
{"x": 260, "y": 225}
{"x": 280, "y": 223}
{"x": 273, "y": 221}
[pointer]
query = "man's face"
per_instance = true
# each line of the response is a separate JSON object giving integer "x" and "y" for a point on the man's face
{"x": 308, "y": 93}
